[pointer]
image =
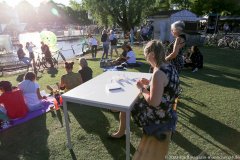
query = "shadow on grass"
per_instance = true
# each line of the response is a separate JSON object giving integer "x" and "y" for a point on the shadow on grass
{"x": 134, "y": 128}
{"x": 193, "y": 100}
{"x": 20, "y": 77}
{"x": 184, "y": 143}
{"x": 185, "y": 84}
{"x": 95, "y": 59}
{"x": 222, "y": 133}
{"x": 213, "y": 76}
{"x": 93, "y": 121}
{"x": 26, "y": 141}
{"x": 223, "y": 57}
{"x": 72, "y": 154}
{"x": 52, "y": 72}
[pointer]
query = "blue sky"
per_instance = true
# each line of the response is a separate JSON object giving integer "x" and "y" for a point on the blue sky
{"x": 35, "y": 3}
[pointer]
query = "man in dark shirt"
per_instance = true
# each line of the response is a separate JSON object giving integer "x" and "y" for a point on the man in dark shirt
{"x": 21, "y": 55}
{"x": 47, "y": 53}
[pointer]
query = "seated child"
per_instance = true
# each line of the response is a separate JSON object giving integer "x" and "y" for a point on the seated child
{"x": 31, "y": 92}
{"x": 13, "y": 101}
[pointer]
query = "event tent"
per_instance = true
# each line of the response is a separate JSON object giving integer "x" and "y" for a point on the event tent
{"x": 163, "y": 20}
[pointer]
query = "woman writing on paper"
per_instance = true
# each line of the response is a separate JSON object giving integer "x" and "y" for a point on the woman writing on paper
{"x": 153, "y": 111}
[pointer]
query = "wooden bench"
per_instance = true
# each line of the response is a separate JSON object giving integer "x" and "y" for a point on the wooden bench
{"x": 12, "y": 66}
{"x": 151, "y": 148}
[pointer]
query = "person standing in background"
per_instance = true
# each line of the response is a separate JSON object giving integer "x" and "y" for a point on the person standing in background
{"x": 175, "y": 51}
{"x": 132, "y": 36}
{"x": 93, "y": 43}
{"x": 113, "y": 40}
{"x": 29, "y": 47}
{"x": 105, "y": 41}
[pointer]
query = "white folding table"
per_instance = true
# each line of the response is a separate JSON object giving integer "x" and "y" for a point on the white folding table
{"x": 96, "y": 93}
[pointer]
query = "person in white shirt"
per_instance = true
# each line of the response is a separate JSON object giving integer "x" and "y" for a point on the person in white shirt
{"x": 93, "y": 43}
{"x": 31, "y": 92}
{"x": 130, "y": 57}
{"x": 113, "y": 40}
{"x": 29, "y": 47}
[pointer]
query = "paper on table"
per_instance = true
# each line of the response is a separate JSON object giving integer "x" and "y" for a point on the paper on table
{"x": 43, "y": 93}
{"x": 113, "y": 86}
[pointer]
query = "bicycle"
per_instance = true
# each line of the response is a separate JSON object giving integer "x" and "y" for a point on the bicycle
{"x": 39, "y": 63}
{"x": 235, "y": 43}
{"x": 224, "y": 41}
{"x": 211, "y": 40}
{"x": 58, "y": 54}
{"x": 43, "y": 62}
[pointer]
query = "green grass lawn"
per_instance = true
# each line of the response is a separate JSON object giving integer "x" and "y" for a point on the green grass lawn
{"x": 209, "y": 123}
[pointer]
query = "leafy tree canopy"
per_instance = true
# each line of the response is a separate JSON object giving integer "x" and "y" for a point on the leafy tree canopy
{"x": 125, "y": 13}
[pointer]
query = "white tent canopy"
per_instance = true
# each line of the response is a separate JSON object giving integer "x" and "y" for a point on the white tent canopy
{"x": 162, "y": 22}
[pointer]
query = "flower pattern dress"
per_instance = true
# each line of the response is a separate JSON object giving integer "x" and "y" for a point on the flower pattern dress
{"x": 145, "y": 115}
{"x": 178, "y": 62}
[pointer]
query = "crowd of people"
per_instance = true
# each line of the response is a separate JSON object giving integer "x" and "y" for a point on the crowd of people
{"x": 27, "y": 97}
{"x": 154, "y": 111}
{"x": 30, "y": 60}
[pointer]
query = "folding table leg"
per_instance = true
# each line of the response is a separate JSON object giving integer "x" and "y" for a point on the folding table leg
{"x": 128, "y": 135}
{"x": 69, "y": 145}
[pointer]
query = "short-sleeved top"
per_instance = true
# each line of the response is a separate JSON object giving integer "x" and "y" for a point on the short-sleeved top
{"x": 14, "y": 103}
{"x": 29, "y": 89}
{"x": 131, "y": 56}
{"x": 30, "y": 48}
{"x": 71, "y": 80}
{"x": 112, "y": 36}
{"x": 93, "y": 42}
{"x": 86, "y": 73}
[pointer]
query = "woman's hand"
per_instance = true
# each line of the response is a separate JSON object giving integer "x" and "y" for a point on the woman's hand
{"x": 144, "y": 81}
{"x": 139, "y": 84}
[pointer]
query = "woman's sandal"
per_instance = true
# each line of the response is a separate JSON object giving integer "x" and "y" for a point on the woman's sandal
{"x": 116, "y": 137}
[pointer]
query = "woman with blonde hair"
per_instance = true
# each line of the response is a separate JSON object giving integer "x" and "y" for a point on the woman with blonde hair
{"x": 153, "y": 110}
